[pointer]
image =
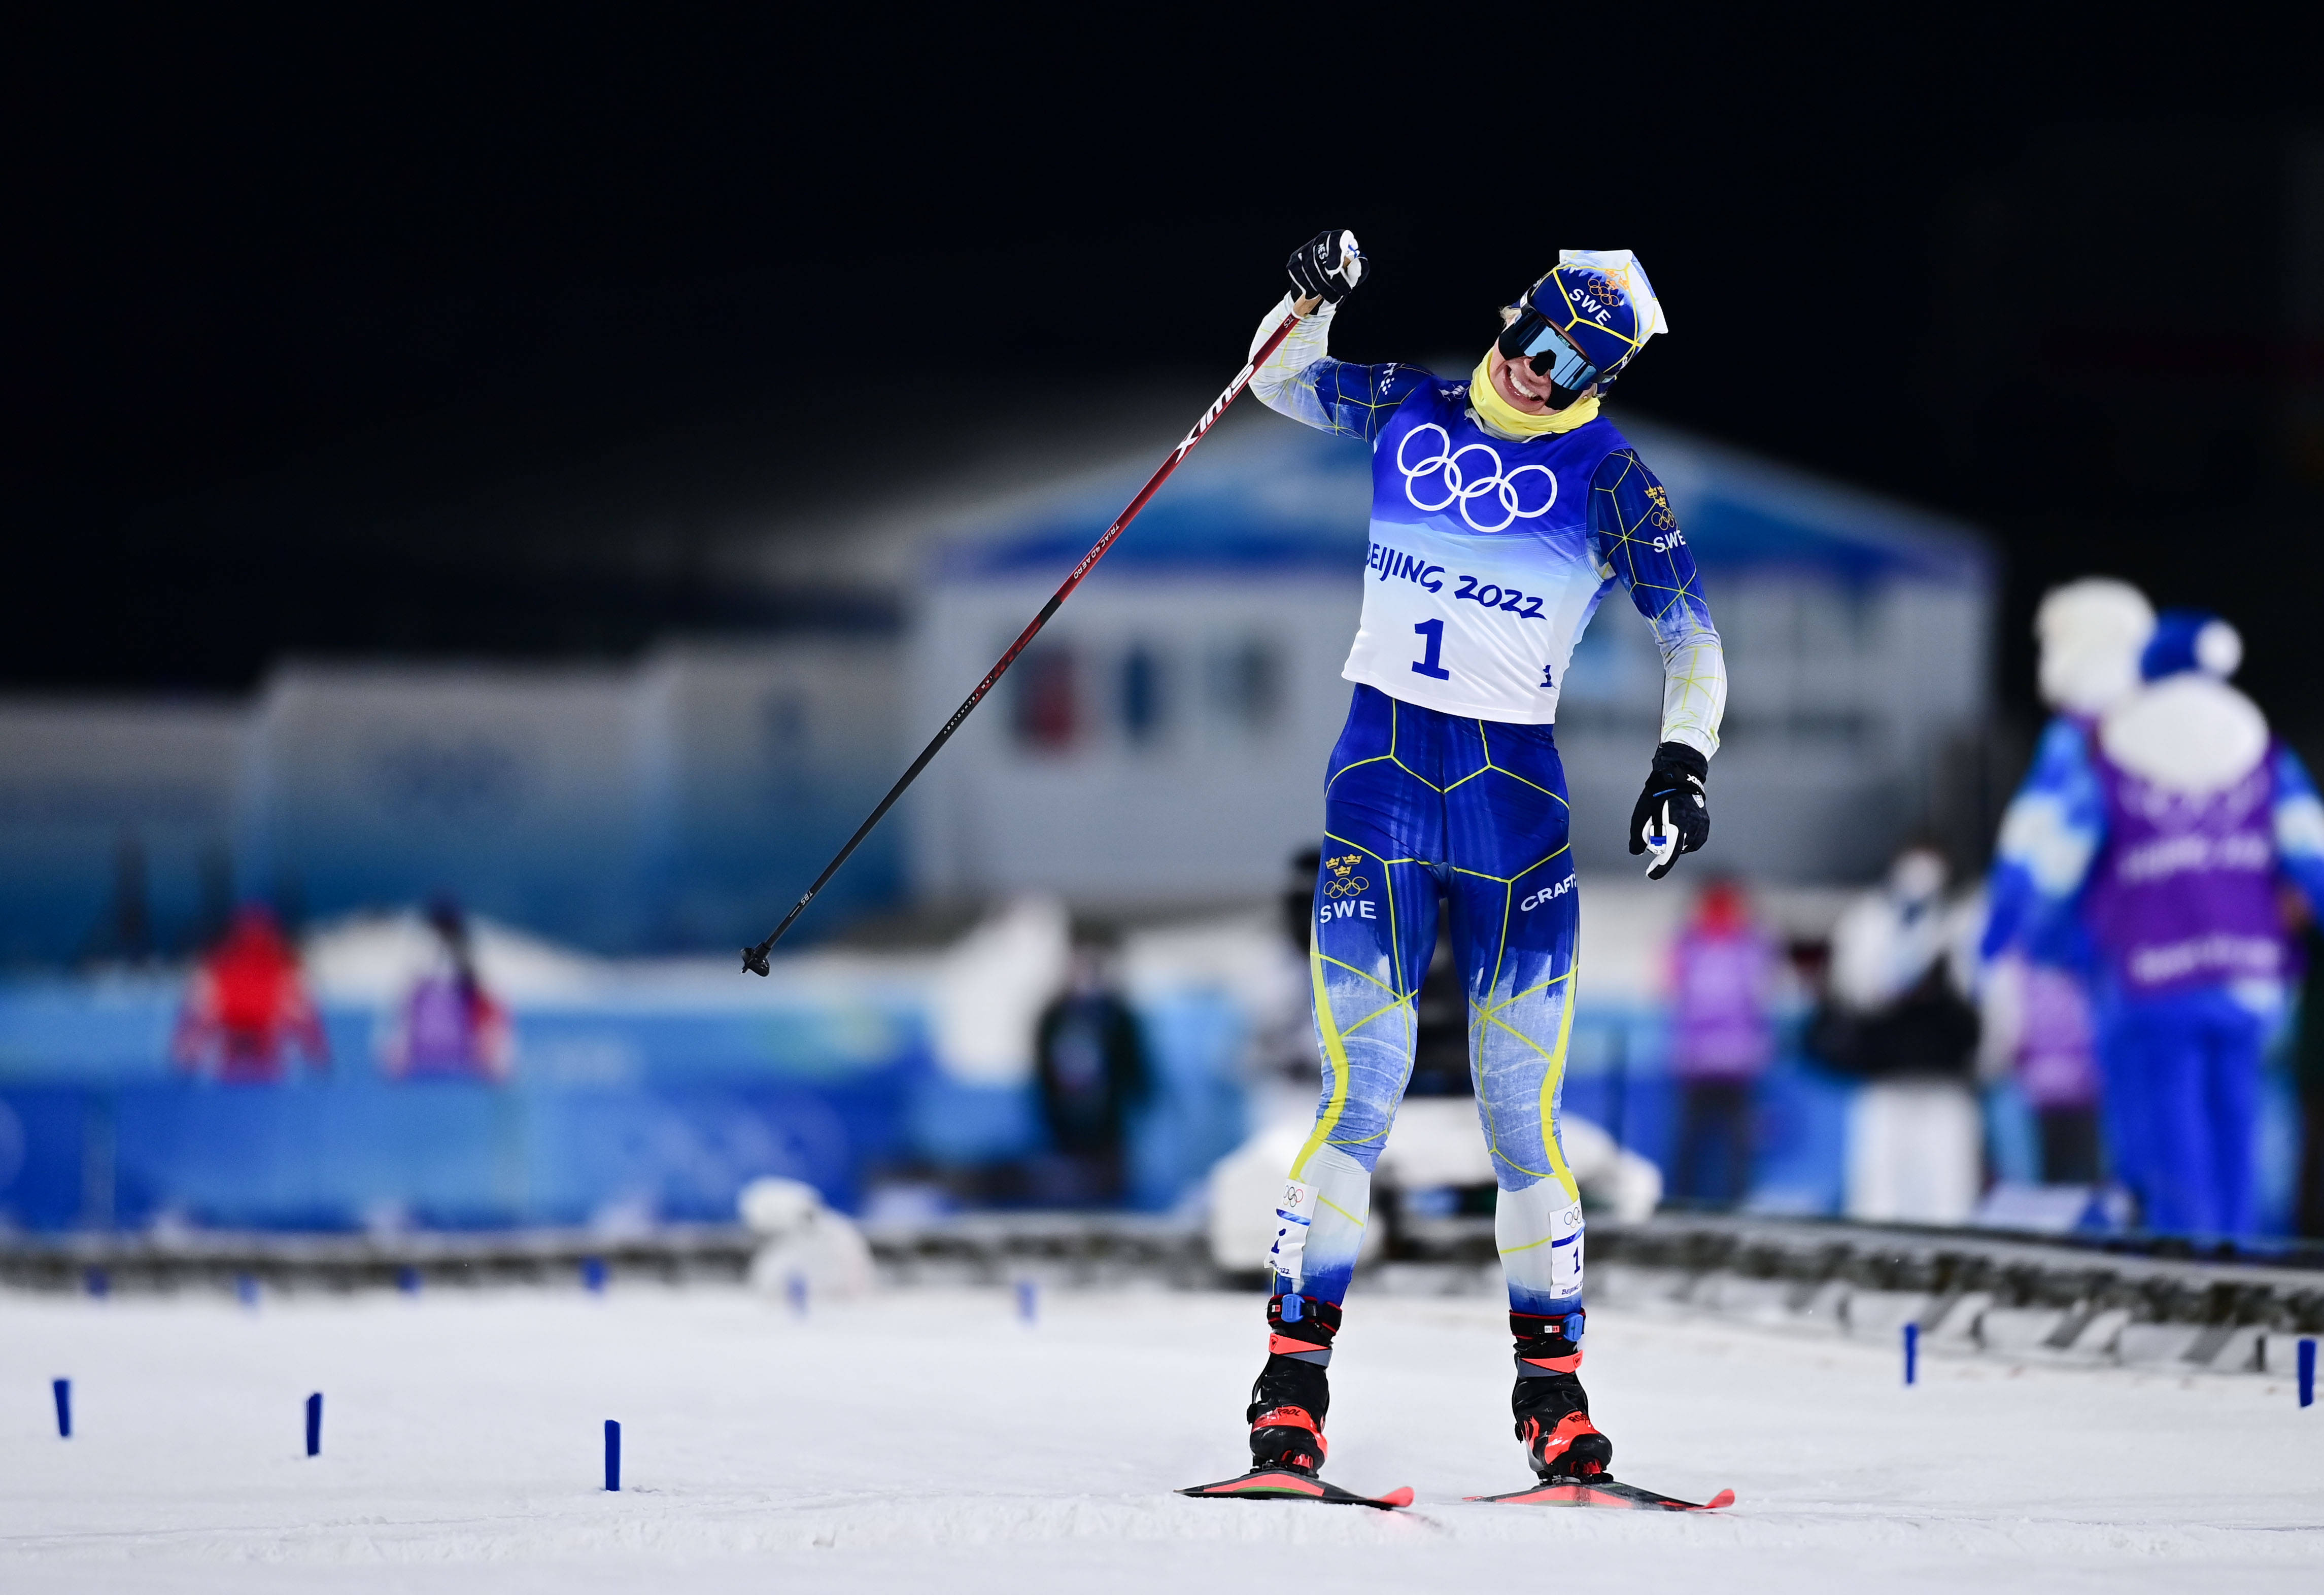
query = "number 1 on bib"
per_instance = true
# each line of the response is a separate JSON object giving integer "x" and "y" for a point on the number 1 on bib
{"x": 1427, "y": 664}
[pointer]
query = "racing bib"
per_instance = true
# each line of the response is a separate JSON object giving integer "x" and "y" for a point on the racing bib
{"x": 1479, "y": 578}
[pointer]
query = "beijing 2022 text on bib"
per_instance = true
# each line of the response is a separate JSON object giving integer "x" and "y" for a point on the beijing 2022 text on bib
{"x": 1481, "y": 577}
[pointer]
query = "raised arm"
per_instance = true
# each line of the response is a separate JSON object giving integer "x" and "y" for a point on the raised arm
{"x": 1635, "y": 540}
{"x": 1300, "y": 378}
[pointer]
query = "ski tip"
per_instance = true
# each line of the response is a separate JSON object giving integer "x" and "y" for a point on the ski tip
{"x": 1725, "y": 1497}
{"x": 1401, "y": 1495}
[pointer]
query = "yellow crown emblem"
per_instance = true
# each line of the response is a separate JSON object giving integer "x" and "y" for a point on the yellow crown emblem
{"x": 1342, "y": 869}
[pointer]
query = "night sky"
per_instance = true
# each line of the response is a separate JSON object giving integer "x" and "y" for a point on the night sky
{"x": 270, "y": 283}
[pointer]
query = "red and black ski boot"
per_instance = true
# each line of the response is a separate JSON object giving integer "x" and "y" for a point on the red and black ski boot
{"x": 1287, "y": 1405}
{"x": 1568, "y": 1453}
{"x": 1552, "y": 1409}
{"x": 1293, "y": 1392}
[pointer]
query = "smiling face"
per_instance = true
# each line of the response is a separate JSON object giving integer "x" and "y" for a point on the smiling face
{"x": 1514, "y": 380}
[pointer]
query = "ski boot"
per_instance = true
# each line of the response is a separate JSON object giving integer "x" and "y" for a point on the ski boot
{"x": 1552, "y": 1410}
{"x": 1293, "y": 1392}
{"x": 1288, "y": 1404}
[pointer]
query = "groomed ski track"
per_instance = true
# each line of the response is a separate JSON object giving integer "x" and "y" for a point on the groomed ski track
{"x": 929, "y": 1440}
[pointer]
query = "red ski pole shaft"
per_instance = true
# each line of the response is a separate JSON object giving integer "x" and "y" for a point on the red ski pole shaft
{"x": 754, "y": 959}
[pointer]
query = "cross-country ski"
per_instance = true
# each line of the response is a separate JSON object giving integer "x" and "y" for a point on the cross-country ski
{"x": 1282, "y": 1484}
{"x": 1606, "y": 1493}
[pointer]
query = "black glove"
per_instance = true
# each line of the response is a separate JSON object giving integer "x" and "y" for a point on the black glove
{"x": 1672, "y": 816}
{"x": 1328, "y": 266}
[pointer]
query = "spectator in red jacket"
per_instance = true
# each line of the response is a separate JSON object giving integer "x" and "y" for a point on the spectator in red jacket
{"x": 246, "y": 1005}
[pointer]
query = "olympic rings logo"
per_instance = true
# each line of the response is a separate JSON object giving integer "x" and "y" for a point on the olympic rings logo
{"x": 1461, "y": 488}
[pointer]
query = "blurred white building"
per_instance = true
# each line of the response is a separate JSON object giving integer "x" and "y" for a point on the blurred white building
{"x": 1163, "y": 745}
{"x": 678, "y": 802}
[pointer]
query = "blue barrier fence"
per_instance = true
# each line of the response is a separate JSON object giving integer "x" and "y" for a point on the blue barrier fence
{"x": 617, "y": 1109}
{"x": 613, "y": 1108}
{"x": 640, "y": 1108}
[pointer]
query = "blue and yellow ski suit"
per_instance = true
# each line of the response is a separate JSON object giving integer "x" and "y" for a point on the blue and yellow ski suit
{"x": 1489, "y": 554}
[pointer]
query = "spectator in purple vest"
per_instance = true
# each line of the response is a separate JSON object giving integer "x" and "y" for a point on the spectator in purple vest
{"x": 450, "y": 1028}
{"x": 2057, "y": 1069}
{"x": 2039, "y": 1022}
{"x": 2167, "y": 834}
{"x": 1723, "y": 969}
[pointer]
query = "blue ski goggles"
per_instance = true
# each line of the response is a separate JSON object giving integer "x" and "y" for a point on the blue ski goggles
{"x": 1534, "y": 339}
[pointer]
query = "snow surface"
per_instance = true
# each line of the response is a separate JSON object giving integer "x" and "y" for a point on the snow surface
{"x": 925, "y": 1440}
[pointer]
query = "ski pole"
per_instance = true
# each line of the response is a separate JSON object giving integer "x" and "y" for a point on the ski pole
{"x": 754, "y": 959}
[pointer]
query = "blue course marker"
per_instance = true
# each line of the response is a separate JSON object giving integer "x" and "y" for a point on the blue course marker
{"x": 62, "y": 1390}
{"x": 315, "y": 1424}
{"x": 796, "y": 1288}
{"x": 1029, "y": 1300}
{"x": 245, "y": 1289}
{"x": 407, "y": 1280}
{"x": 2307, "y": 1374}
{"x": 98, "y": 1282}
{"x": 593, "y": 1276}
{"x": 613, "y": 1454}
{"x": 1911, "y": 1353}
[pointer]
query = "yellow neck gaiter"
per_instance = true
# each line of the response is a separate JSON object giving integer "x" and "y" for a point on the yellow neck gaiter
{"x": 1504, "y": 416}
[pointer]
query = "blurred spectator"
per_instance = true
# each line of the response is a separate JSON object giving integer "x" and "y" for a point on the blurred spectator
{"x": 451, "y": 1028}
{"x": 803, "y": 1244}
{"x": 1723, "y": 969}
{"x": 1091, "y": 1068}
{"x": 1899, "y": 1019}
{"x": 2092, "y": 634}
{"x": 2039, "y": 959}
{"x": 2039, "y": 1031}
{"x": 2166, "y": 830}
{"x": 245, "y": 1006}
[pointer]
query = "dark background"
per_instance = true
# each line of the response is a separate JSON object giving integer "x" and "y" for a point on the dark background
{"x": 471, "y": 336}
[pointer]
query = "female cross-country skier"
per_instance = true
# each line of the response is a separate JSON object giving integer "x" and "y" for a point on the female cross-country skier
{"x": 1504, "y": 510}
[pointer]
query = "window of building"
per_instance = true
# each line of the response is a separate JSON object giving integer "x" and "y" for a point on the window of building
{"x": 1144, "y": 701}
{"x": 1044, "y": 710}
